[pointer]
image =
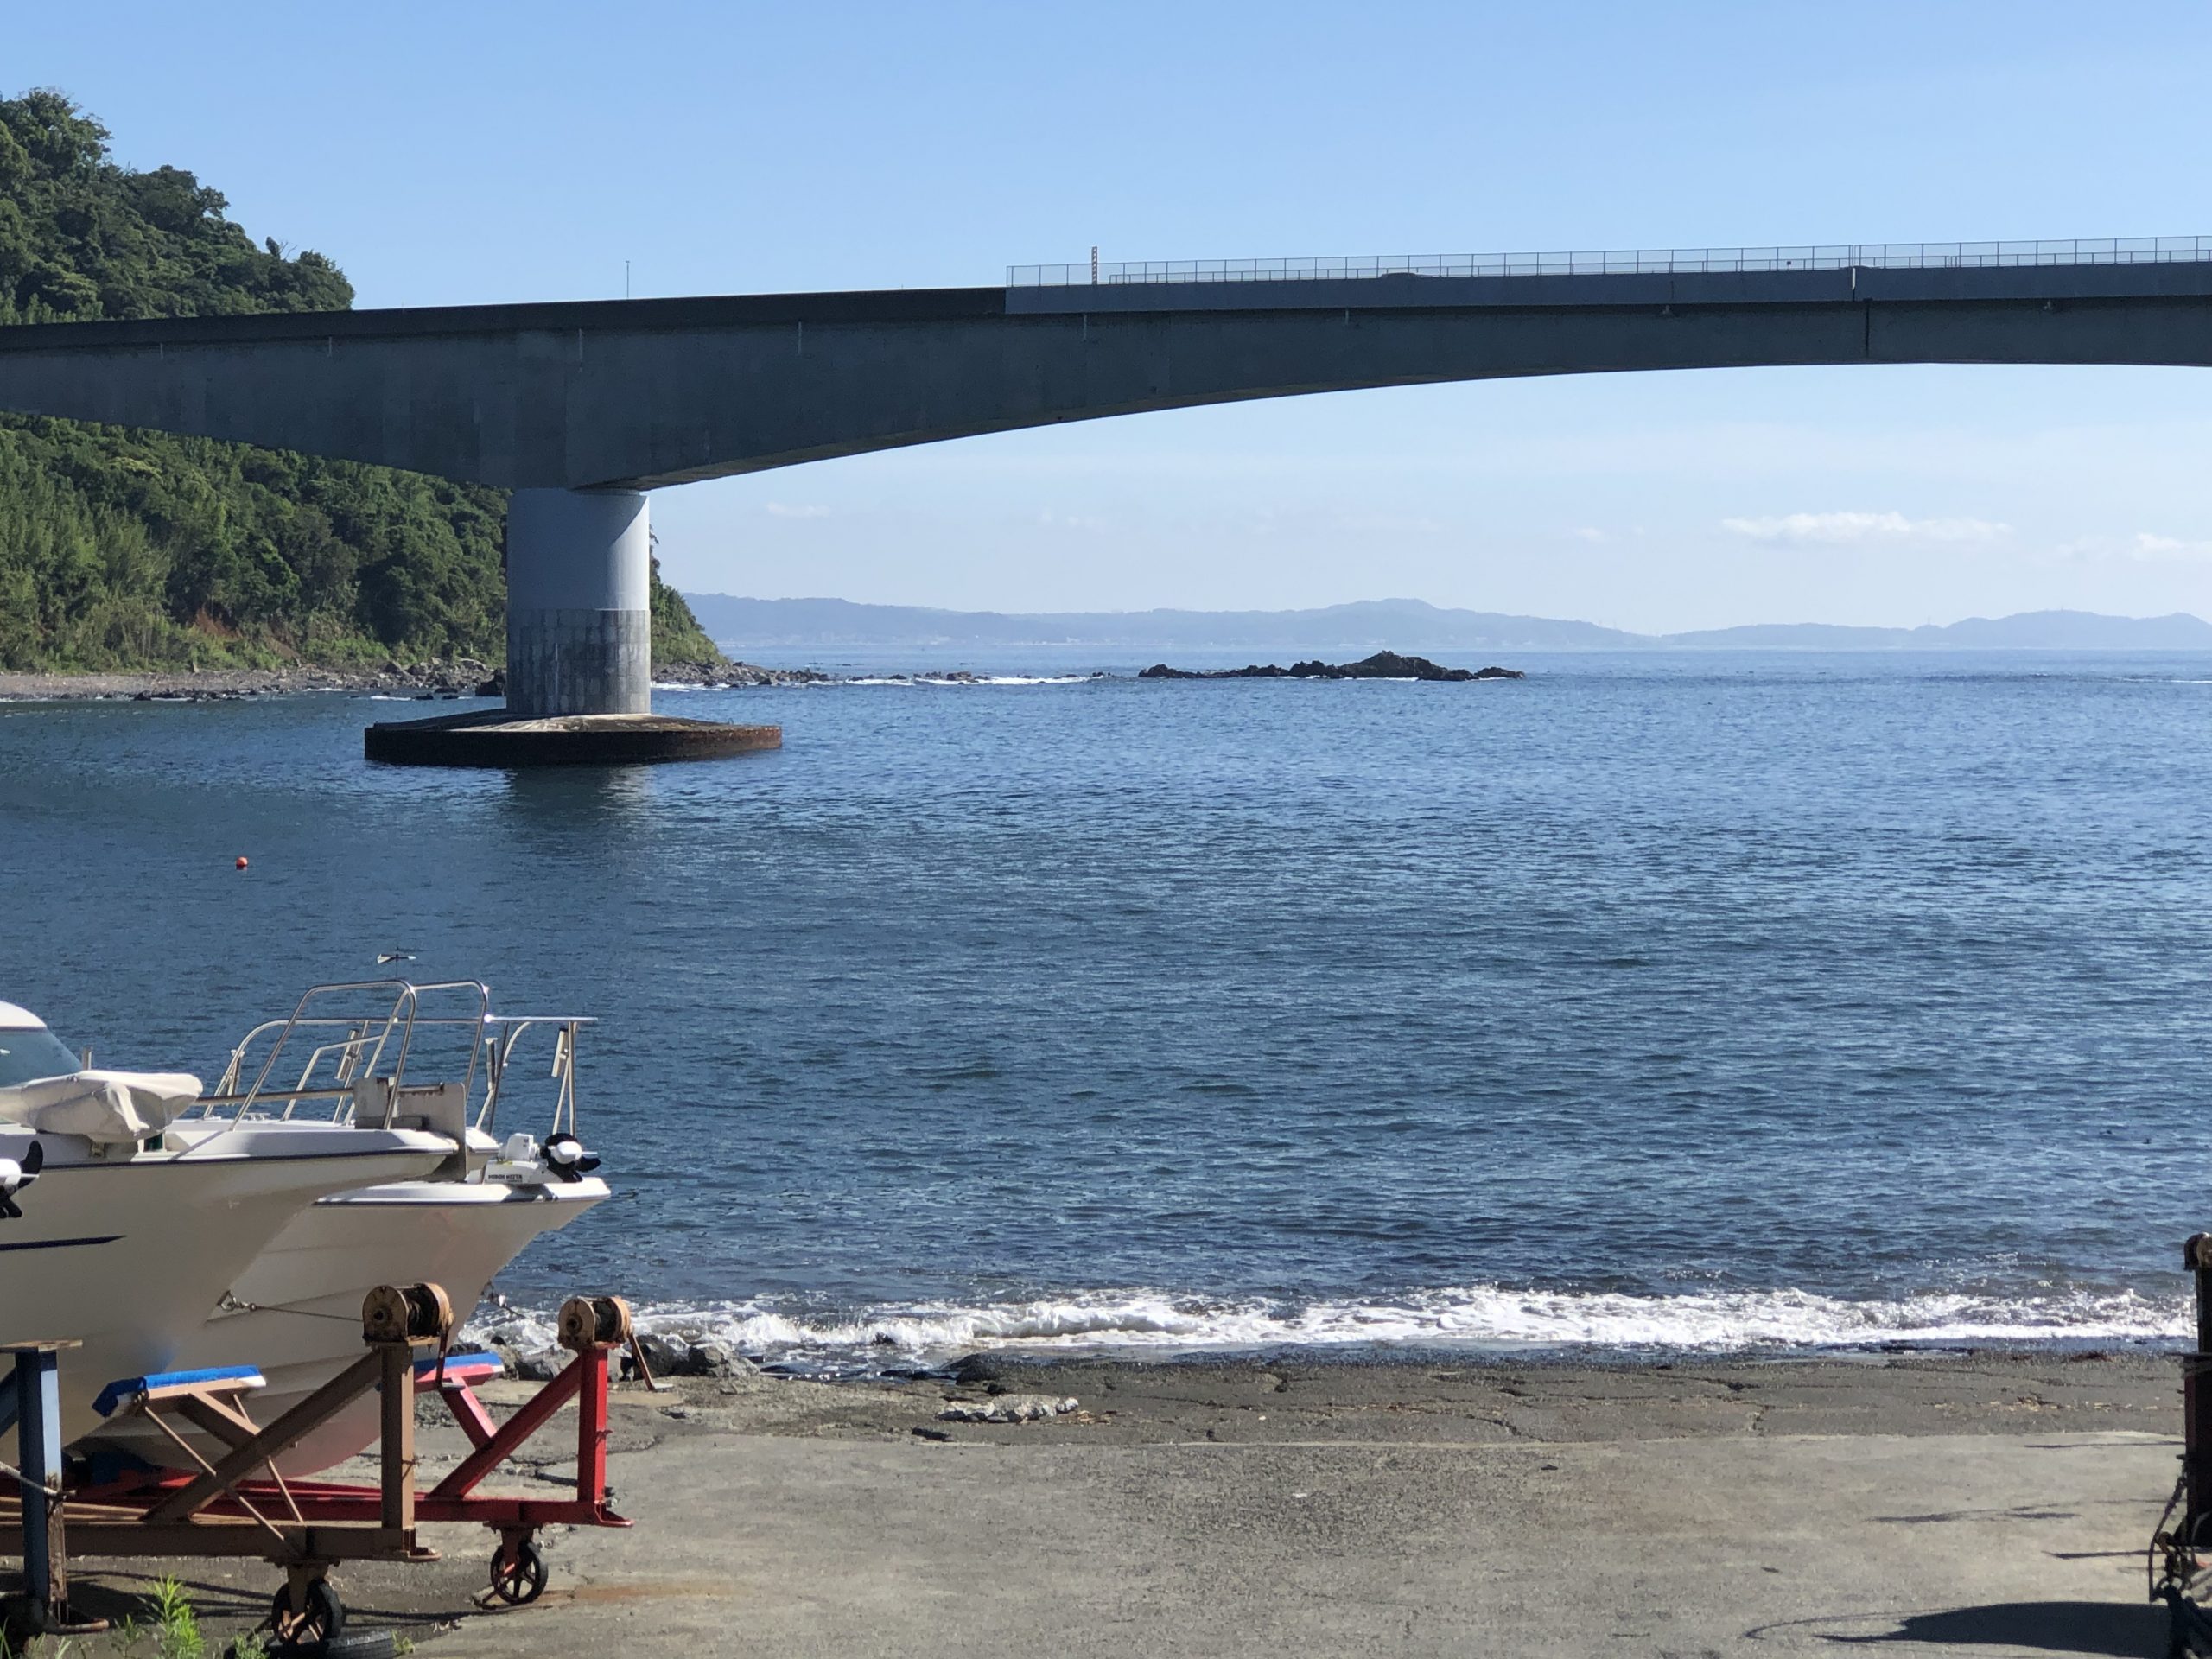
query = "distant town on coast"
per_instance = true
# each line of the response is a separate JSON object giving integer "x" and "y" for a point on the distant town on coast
{"x": 1408, "y": 624}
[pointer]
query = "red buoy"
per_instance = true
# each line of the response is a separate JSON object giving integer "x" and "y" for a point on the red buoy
{"x": 241, "y": 861}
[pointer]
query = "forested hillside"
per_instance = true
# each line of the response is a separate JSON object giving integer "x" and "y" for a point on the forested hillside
{"x": 125, "y": 548}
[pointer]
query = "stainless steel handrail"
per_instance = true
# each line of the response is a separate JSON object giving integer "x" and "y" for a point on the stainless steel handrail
{"x": 368, "y": 1037}
{"x": 400, "y": 1017}
{"x": 564, "y": 1067}
{"x": 2074, "y": 251}
{"x": 358, "y": 1038}
{"x": 276, "y": 1094}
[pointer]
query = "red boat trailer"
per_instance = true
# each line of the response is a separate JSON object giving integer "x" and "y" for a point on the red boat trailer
{"x": 305, "y": 1526}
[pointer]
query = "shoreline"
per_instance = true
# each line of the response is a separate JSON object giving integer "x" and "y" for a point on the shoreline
{"x": 432, "y": 681}
{"x": 466, "y": 678}
{"x": 1482, "y": 1325}
{"x": 461, "y": 679}
{"x": 429, "y": 682}
{"x": 685, "y": 1360}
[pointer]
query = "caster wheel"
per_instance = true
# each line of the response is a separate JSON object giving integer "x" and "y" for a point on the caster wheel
{"x": 311, "y": 1630}
{"x": 517, "y": 1575}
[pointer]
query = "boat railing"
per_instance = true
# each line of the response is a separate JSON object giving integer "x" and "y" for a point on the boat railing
{"x": 348, "y": 1047}
{"x": 500, "y": 1048}
{"x": 389, "y": 1029}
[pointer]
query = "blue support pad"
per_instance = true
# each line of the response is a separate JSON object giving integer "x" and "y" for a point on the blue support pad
{"x": 161, "y": 1384}
{"x": 475, "y": 1365}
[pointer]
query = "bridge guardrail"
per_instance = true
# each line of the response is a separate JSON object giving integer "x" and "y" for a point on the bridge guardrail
{"x": 2078, "y": 250}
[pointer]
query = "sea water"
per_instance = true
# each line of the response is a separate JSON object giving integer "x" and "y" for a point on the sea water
{"x": 1720, "y": 1001}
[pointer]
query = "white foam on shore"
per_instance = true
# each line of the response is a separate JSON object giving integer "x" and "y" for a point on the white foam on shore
{"x": 1006, "y": 679}
{"x": 912, "y": 680}
{"x": 1482, "y": 1316}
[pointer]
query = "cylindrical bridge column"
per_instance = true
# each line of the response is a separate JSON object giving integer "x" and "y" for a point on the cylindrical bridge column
{"x": 579, "y": 626}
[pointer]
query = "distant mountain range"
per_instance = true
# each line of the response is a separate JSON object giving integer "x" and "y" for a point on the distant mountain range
{"x": 1407, "y": 625}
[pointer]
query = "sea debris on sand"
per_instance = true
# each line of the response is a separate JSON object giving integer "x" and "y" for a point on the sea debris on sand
{"x": 1008, "y": 1408}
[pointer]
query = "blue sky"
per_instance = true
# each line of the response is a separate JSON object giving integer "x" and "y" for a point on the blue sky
{"x": 459, "y": 152}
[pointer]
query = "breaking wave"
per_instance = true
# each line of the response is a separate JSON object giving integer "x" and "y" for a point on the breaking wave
{"x": 1005, "y": 679}
{"x": 962, "y": 680}
{"x": 1481, "y": 1316}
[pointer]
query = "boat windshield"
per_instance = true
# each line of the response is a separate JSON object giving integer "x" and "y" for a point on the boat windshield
{"x": 29, "y": 1051}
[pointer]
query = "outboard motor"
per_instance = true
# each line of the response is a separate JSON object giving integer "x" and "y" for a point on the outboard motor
{"x": 566, "y": 1157}
{"x": 14, "y": 1176}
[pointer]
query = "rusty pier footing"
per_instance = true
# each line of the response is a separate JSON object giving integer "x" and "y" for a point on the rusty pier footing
{"x": 497, "y": 738}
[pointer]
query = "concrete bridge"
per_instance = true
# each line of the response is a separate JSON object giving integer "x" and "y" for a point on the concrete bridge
{"x": 580, "y": 408}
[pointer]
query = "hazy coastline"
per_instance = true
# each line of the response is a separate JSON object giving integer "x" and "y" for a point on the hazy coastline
{"x": 781, "y": 626}
{"x": 817, "y": 641}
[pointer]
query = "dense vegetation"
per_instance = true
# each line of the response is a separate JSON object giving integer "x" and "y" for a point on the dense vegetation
{"x": 125, "y": 549}
{"x": 677, "y": 636}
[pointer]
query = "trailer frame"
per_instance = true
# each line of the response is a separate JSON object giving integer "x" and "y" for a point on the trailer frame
{"x": 238, "y": 1504}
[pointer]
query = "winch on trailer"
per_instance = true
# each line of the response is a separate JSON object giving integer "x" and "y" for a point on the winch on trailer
{"x": 240, "y": 1505}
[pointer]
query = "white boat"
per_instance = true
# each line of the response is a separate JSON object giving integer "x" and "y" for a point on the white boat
{"x": 294, "y": 1312}
{"x": 120, "y": 1234}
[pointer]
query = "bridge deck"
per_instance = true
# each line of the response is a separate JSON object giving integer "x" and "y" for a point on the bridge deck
{"x": 643, "y": 393}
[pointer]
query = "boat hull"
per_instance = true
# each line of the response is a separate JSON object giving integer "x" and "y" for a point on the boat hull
{"x": 294, "y": 1314}
{"x": 126, "y": 1256}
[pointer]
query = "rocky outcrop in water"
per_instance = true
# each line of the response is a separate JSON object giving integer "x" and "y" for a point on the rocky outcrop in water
{"x": 1382, "y": 665}
{"x": 727, "y": 674}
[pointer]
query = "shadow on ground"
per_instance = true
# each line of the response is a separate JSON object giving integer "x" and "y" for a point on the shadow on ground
{"x": 232, "y": 1597}
{"x": 2118, "y": 1629}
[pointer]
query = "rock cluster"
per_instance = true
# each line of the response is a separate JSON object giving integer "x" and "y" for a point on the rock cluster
{"x": 456, "y": 678}
{"x": 726, "y": 674}
{"x": 1382, "y": 665}
{"x": 668, "y": 1356}
{"x": 1008, "y": 1408}
{"x": 463, "y": 677}
{"x": 671, "y": 1356}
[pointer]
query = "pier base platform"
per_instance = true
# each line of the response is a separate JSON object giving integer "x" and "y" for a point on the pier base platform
{"x": 498, "y": 737}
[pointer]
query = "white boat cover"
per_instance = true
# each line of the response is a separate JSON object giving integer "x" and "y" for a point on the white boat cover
{"x": 112, "y": 1108}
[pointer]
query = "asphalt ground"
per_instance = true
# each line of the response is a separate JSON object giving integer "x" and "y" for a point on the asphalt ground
{"x": 1978, "y": 1504}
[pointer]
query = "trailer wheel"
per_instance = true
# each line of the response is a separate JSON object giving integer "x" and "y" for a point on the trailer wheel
{"x": 311, "y": 1630}
{"x": 518, "y": 1573}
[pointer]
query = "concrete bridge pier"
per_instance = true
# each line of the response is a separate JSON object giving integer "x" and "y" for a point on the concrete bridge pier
{"x": 579, "y": 653}
{"x": 580, "y": 636}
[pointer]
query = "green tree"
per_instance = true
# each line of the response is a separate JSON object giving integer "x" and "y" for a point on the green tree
{"x": 127, "y": 549}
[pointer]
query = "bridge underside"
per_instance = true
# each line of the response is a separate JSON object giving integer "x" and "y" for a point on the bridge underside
{"x": 638, "y": 394}
{"x": 619, "y": 397}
